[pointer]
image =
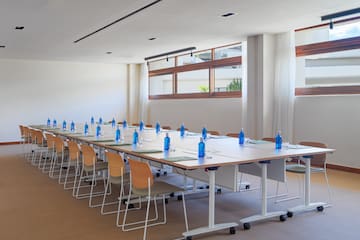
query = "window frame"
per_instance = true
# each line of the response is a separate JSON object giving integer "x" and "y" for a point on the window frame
{"x": 210, "y": 65}
{"x": 328, "y": 47}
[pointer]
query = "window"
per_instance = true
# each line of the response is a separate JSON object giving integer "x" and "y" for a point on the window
{"x": 204, "y": 74}
{"x": 228, "y": 78}
{"x": 328, "y": 60}
{"x": 160, "y": 85}
{"x": 193, "y": 81}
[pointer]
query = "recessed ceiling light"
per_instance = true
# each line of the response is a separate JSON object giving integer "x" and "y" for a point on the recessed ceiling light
{"x": 151, "y": 39}
{"x": 108, "y": 52}
{"x": 228, "y": 14}
{"x": 2, "y": 46}
{"x": 19, "y": 27}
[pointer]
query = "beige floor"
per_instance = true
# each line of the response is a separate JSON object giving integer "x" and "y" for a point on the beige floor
{"x": 32, "y": 206}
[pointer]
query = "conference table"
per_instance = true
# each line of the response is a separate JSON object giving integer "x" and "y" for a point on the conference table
{"x": 221, "y": 152}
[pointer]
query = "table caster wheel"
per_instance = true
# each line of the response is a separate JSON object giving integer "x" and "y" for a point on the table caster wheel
{"x": 232, "y": 230}
{"x": 179, "y": 198}
{"x": 172, "y": 194}
{"x": 207, "y": 186}
{"x": 157, "y": 174}
{"x": 247, "y": 187}
{"x": 283, "y": 218}
{"x": 165, "y": 173}
{"x": 166, "y": 201}
{"x": 131, "y": 206}
{"x": 320, "y": 208}
{"x": 290, "y": 214}
{"x": 246, "y": 226}
{"x": 218, "y": 191}
{"x": 188, "y": 238}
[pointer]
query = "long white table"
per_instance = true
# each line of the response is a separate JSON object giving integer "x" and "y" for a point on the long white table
{"x": 221, "y": 151}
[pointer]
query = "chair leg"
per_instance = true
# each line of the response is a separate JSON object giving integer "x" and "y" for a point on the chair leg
{"x": 147, "y": 216}
{"x": 328, "y": 187}
{"x": 185, "y": 212}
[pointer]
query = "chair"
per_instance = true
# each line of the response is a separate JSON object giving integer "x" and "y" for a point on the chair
{"x": 149, "y": 125}
{"x": 135, "y": 124}
{"x": 269, "y": 139}
{"x": 166, "y": 127}
{"x": 91, "y": 166}
{"x": 50, "y": 139}
{"x": 38, "y": 139}
{"x": 186, "y": 129}
{"x": 116, "y": 176}
{"x": 318, "y": 163}
{"x": 142, "y": 184}
{"x": 234, "y": 135}
{"x": 212, "y": 132}
{"x": 73, "y": 161}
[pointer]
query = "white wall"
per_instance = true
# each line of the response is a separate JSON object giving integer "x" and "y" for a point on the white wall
{"x": 222, "y": 114}
{"x": 331, "y": 119}
{"x": 32, "y": 91}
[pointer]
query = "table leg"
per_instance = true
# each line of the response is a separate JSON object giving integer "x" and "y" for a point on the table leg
{"x": 307, "y": 206}
{"x": 264, "y": 213}
{"x": 212, "y": 227}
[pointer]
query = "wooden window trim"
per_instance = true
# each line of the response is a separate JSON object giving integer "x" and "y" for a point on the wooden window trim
{"x": 234, "y": 94}
{"x": 335, "y": 90}
{"x": 328, "y": 46}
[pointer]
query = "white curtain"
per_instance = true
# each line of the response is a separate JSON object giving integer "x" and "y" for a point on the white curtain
{"x": 143, "y": 92}
{"x": 284, "y": 85}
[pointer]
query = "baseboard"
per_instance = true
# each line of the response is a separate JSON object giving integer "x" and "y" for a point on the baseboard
{"x": 9, "y": 143}
{"x": 343, "y": 168}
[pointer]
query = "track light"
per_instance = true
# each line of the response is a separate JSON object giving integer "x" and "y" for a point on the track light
{"x": 167, "y": 58}
{"x": 333, "y": 16}
{"x": 170, "y": 53}
{"x": 191, "y": 54}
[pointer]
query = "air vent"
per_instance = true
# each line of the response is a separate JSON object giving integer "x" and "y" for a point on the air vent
{"x": 227, "y": 14}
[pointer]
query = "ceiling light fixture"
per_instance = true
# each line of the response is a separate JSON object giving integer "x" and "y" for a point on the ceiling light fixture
{"x": 151, "y": 39}
{"x": 338, "y": 15}
{"x": 170, "y": 53}
{"x": 108, "y": 52}
{"x": 19, "y": 27}
{"x": 228, "y": 14}
{"x": 118, "y": 20}
{"x": 2, "y": 46}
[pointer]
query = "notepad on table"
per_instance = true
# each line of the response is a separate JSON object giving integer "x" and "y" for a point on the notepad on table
{"x": 147, "y": 151}
{"x": 180, "y": 158}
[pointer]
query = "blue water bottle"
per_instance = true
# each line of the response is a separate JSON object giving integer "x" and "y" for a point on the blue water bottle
{"x": 54, "y": 123}
{"x": 98, "y": 131}
{"x": 64, "y": 125}
{"x": 182, "y": 130}
{"x": 141, "y": 126}
{"x": 278, "y": 141}
{"x": 124, "y": 124}
{"x": 113, "y": 123}
{"x": 135, "y": 137}
{"x": 167, "y": 142}
{"x": 242, "y": 137}
{"x": 117, "y": 134}
{"x": 157, "y": 128}
{"x": 204, "y": 133}
{"x": 72, "y": 126}
{"x": 48, "y": 123}
{"x": 92, "y": 121}
{"x": 201, "y": 148}
{"x": 100, "y": 121}
{"x": 86, "y": 129}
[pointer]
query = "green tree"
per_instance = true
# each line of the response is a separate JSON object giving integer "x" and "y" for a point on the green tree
{"x": 235, "y": 85}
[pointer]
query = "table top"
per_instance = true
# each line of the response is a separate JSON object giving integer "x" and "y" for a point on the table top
{"x": 220, "y": 150}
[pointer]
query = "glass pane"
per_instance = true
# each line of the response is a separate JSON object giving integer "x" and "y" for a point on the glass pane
{"x": 228, "y": 79}
{"x": 198, "y": 57}
{"x": 193, "y": 81}
{"x": 227, "y": 52}
{"x": 161, "y": 64}
{"x": 323, "y": 34}
{"x": 160, "y": 85}
{"x": 329, "y": 69}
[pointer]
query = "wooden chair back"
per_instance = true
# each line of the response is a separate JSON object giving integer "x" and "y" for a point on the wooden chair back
{"x": 116, "y": 164}
{"x": 140, "y": 173}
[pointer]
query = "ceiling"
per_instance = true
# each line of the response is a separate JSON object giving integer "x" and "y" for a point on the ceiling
{"x": 52, "y": 26}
